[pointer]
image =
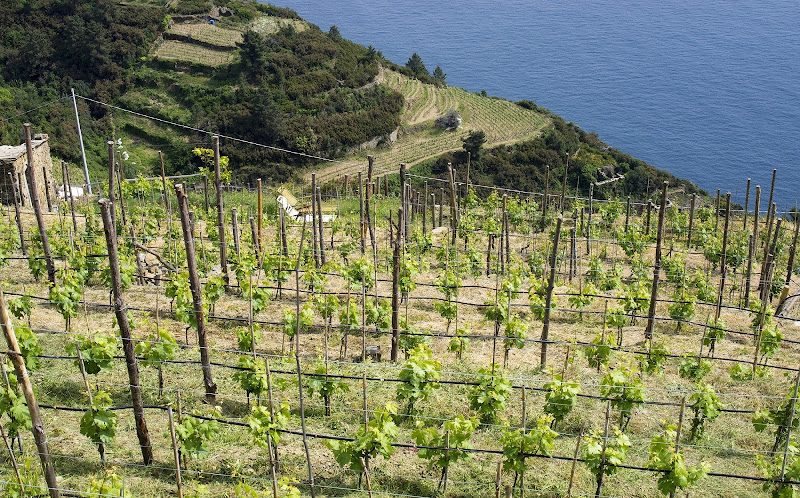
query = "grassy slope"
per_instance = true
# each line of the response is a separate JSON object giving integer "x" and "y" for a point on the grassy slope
{"x": 59, "y": 383}
{"x": 418, "y": 140}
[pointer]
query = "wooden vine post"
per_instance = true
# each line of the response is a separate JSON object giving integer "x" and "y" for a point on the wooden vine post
{"x": 370, "y": 171}
{"x": 22, "y": 244}
{"x": 68, "y": 194}
{"x": 792, "y": 251}
{"x": 589, "y": 220}
{"x": 223, "y": 246}
{"x": 236, "y": 237}
{"x": 37, "y": 208}
{"x": 175, "y": 453}
{"x": 260, "y": 213}
{"x": 319, "y": 226}
{"x": 723, "y": 261}
{"x": 752, "y": 247}
{"x": 297, "y": 360}
{"x": 603, "y": 451}
{"x": 549, "y": 298}
{"x": 37, "y": 426}
{"x": 197, "y": 294}
{"x": 314, "y": 247}
{"x": 453, "y": 205}
{"x": 121, "y": 312}
{"x": 398, "y": 247}
{"x": 746, "y": 205}
{"x": 112, "y": 195}
{"x": 651, "y": 314}
{"x": 678, "y": 432}
{"x": 691, "y": 221}
{"x": 361, "y": 214}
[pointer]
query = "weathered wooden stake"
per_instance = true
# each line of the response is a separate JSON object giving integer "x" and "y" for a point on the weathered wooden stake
{"x": 723, "y": 262}
{"x": 223, "y": 246}
{"x": 746, "y": 205}
{"x": 236, "y": 236}
{"x": 361, "y": 214}
{"x": 398, "y": 247}
{"x": 71, "y": 198}
{"x": 603, "y": 453}
{"x": 197, "y": 295}
{"x": 574, "y": 461}
{"x": 37, "y": 426}
{"x": 627, "y": 213}
{"x": 22, "y": 244}
{"x": 297, "y": 361}
{"x": 319, "y": 227}
{"x": 260, "y": 217}
{"x": 37, "y": 208}
{"x": 549, "y": 298}
{"x": 175, "y": 454}
{"x": 121, "y": 312}
{"x": 792, "y": 249}
{"x": 367, "y": 209}
{"x": 651, "y": 314}
{"x": 691, "y": 221}
{"x": 589, "y": 219}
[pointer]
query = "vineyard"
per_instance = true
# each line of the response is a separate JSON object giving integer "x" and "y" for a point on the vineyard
{"x": 419, "y": 139}
{"x": 435, "y": 339}
{"x": 207, "y": 33}
{"x": 195, "y": 54}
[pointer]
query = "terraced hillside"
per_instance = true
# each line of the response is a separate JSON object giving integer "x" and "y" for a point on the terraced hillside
{"x": 419, "y": 139}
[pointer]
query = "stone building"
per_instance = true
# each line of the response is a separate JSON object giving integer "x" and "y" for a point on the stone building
{"x": 13, "y": 166}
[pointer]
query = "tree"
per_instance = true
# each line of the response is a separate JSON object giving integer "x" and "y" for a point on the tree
{"x": 416, "y": 66}
{"x": 253, "y": 51}
{"x": 439, "y": 76}
{"x": 473, "y": 142}
{"x": 334, "y": 34}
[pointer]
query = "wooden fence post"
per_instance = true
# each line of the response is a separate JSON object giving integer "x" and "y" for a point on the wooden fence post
{"x": 453, "y": 204}
{"x": 22, "y": 244}
{"x": 691, "y": 221}
{"x": 319, "y": 226}
{"x": 367, "y": 209}
{"x": 121, "y": 311}
{"x": 197, "y": 294}
{"x": 723, "y": 261}
{"x": 260, "y": 217}
{"x": 746, "y": 205}
{"x": 71, "y": 198}
{"x": 549, "y": 298}
{"x": 37, "y": 208}
{"x": 361, "y": 214}
{"x": 223, "y": 246}
{"x": 396, "y": 286}
{"x": 792, "y": 249}
{"x": 37, "y": 427}
{"x": 175, "y": 454}
{"x": 112, "y": 194}
{"x": 651, "y": 314}
{"x": 236, "y": 236}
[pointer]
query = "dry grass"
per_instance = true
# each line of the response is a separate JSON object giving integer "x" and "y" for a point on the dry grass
{"x": 730, "y": 445}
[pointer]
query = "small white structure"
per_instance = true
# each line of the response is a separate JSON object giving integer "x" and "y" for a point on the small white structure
{"x": 297, "y": 216}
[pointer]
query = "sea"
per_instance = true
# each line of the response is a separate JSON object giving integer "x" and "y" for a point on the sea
{"x": 706, "y": 90}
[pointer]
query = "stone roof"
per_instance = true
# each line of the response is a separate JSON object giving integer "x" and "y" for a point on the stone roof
{"x": 10, "y": 153}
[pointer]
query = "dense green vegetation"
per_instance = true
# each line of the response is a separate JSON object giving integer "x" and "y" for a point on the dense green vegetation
{"x": 523, "y": 165}
{"x": 286, "y": 83}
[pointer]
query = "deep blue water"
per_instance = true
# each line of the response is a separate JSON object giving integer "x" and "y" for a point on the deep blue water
{"x": 706, "y": 90}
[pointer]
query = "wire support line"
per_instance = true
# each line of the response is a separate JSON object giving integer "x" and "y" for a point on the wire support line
{"x": 2, "y": 120}
{"x": 200, "y": 130}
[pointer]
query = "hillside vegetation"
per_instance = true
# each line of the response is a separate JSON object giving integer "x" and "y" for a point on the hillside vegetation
{"x": 265, "y": 76}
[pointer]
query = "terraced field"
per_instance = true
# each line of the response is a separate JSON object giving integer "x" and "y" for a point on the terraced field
{"x": 418, "y": 140}
{"x": 196, "y": 54}
{"x": 208, "y": 33}
{"x": 267, "y": 25}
